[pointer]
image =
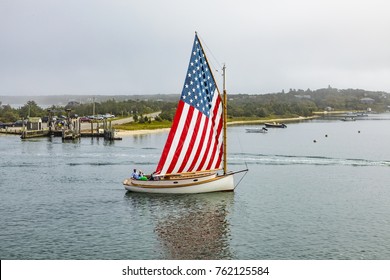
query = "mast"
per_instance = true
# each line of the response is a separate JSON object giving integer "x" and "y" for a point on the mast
{"x": 224, "y": 104}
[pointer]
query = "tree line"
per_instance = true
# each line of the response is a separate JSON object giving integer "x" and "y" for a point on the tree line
{"x": 292, "y": 103}
{"x": 305, "y": 102}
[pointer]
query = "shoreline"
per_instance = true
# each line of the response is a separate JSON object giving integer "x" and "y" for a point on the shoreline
{"x": 295, "y": 119}
{"x": 122, "y": 132}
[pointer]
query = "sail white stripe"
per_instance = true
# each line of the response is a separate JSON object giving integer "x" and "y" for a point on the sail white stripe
{"x": 176, "y": 139}
{"x": 204, "y": 146}
{"x": 186, "y": 142}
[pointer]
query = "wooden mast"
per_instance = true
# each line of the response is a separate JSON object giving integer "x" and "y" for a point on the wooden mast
{"x": 224, "y": 104}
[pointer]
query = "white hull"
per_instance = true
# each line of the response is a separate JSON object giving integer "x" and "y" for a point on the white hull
{"x": 214, "y": 184}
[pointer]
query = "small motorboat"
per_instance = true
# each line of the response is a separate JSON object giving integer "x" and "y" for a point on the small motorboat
{"x": 348, "y": 119}
{"x": 275, "y": 124}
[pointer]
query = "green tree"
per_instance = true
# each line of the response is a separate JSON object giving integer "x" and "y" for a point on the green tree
{"x": 31, "y": 109}
{"x": 8, "y": 114}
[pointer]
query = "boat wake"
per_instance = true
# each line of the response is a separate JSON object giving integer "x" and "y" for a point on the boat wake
{"x": 111, "y": 163}
{"x": 263, "y": 159}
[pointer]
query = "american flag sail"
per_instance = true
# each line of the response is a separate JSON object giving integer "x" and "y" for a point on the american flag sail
{"x": 195, "y": 140}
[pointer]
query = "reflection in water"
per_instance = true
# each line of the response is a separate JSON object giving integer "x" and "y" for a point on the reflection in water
{"x": 140, "y": 138}
{"x": 193, "y": 226}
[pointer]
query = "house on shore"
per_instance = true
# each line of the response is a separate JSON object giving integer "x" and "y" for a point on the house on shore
{"x": 34, "y": 123}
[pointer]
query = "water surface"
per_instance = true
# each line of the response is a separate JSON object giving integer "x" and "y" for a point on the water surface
{"x": 301, "y": 199}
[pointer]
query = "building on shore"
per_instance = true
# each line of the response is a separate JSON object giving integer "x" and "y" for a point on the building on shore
{"x": 34, "y": 123}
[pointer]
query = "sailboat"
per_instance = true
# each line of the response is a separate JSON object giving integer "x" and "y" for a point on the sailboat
{"x": 194, "y": 156}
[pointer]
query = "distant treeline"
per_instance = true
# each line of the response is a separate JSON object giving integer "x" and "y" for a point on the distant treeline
{"x": 305, "y": 102}
{"x": 293, "y": 103}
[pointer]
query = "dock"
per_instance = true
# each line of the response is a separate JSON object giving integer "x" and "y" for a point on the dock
{"x": 73, "y": 129}
{"x": 34, "y": 133}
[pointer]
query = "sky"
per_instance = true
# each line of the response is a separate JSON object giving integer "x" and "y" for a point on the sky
{"x": 99, "y": 47}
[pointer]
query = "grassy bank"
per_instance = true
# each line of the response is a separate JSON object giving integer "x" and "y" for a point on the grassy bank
{"x": 155, "y": 125}
{"x": 144, "y": 126}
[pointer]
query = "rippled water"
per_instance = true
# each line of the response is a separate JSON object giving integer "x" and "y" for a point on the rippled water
{"x": 301, "y": 199}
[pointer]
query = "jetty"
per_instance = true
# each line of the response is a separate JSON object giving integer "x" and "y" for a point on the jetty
{"x": 68, "y": 129}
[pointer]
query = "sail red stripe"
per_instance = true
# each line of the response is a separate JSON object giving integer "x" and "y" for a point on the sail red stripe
{"x": 192, "y": 142}
{"x": 218, "y": 133}
{"x": 218, "y": 164}
{"x": 217, "y": 105}
{"x": 183, "y": 135}
{"x": 214, "y": 151}
{"x": 212, "y": 135}
{"x": 220, "y": 129}
{"x": 171, "y": 135}
{"x": 202, "y": 163}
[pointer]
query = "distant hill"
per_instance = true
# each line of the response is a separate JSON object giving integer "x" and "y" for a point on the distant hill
{"x": 62, "y": 100}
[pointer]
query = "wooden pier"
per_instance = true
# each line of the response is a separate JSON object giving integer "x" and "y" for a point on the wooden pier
{"x": 34, "y": 133}
{"x": 71, "y": 131}
{"x": 109, "y": 131}
{"x": 11, "y": 130}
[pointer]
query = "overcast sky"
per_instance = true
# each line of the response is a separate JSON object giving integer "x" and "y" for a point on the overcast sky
{"x": 53, "y": 47}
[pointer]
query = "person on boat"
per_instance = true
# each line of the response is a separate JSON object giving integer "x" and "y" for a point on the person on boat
{"x": 141, "y": 176}
{"x": 135, "y": 175}
{"x": 153, "y": 177}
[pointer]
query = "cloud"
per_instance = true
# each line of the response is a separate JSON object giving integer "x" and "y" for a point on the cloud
{"x": 141, "y": 47}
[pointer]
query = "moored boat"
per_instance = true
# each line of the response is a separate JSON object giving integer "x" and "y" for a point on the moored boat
{"x": 275, "y": 124}
{"x": 348, "y": 119}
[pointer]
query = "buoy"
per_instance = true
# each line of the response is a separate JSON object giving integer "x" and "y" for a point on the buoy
{"x": 315, "y": 141}
{"x": 359, "y": 131}
{"x": 326, "y": 135}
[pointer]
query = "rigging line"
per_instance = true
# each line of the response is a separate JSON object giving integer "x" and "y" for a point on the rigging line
{"x": 239, "y": 143}
{"x": 241, "y": 178}
{"x": 219, "y": 65}
{"x": 246, "y": 164}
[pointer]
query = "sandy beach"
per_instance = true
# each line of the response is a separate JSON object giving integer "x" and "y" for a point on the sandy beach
{"x": 122, "y": 133}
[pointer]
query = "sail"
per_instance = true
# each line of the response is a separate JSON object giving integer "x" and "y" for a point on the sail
{"x": 195, "y": 141}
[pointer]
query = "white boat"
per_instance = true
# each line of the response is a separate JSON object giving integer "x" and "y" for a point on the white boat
{"x": 275, "y": 124}
{"x": 348, "y": 119}
{"x": 194, "y": 156}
